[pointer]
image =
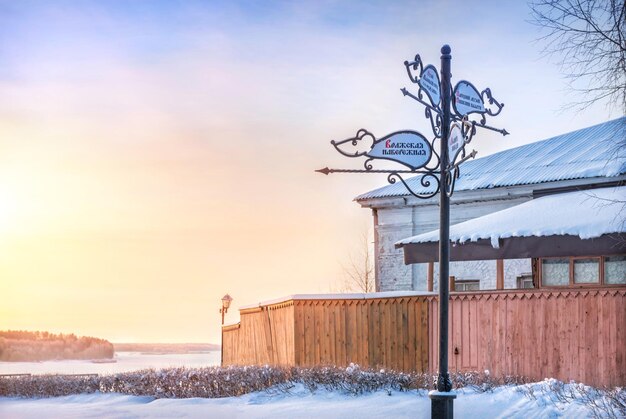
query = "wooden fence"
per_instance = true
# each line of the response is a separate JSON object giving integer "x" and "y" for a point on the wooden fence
{"x": 379, "y": 332}
{"x": 566, "y": 334}
{"x": 264, "y": 336}
{"x": 569, "y": 335}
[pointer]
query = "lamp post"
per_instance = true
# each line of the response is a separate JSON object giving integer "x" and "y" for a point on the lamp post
{"x": 453, "y": 114}
{"x": 226, "y": 300}
{"x": 442, "y": 399}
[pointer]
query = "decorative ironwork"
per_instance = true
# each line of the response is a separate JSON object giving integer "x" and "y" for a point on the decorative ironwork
{"x": 466, "y": 101}
{"x": 492, "y": 101}
{"x": 409, "y": 148}
{"x": 424, "y": 161}
{"x": 430, "y": 112}
{"x": 416, "y": 64}
{"x": 424, "y": 181}
{"x": 360, "y": 135}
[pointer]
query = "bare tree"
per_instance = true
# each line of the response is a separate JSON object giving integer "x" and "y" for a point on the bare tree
{"x": 359, "y": 272}
{"x": 588, "y": 37}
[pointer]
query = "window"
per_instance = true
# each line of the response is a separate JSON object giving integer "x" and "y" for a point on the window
{"x": 615, "y": 270}
{"x": 525, "y": 281}
{"x": 587, "y": 271}
{"x": 581, "y": 271}
{"x": 467, "y": 285}
{"x": 555, "y": 272}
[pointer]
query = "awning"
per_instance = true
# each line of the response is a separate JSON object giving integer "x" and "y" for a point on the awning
{"x": 583, "y": 223}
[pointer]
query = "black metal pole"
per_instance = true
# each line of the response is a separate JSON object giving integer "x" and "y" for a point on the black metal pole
{"x": 442, "y": 399}
{"x": 222, "y": 345}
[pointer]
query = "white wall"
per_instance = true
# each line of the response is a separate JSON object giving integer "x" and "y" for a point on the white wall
{"x": 396, "y": 223}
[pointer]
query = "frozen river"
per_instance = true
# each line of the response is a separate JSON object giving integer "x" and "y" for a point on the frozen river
{"x": 126, "y": 361}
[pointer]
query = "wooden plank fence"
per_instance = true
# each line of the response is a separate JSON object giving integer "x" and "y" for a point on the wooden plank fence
{"x": 566, "y": 334}
{"x": 379, "y": 332}
{"x": 264, "y": 336}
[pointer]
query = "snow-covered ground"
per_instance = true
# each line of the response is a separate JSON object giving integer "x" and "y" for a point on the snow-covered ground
{"x": 504, "y": 401}
{"x": 538, "y": 400}
{"x": 126, "y": 361}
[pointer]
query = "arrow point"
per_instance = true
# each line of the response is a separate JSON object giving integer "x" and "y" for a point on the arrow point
{"x": 505, "y": 132}
{"x": 324, "y": 171}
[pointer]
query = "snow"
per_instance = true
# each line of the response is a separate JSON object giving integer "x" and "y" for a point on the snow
{"x": 436, "y": 393}
{"x": 582, "y": 154}
{"x": 505, "y": 401}
{"x": 126, "y": 361}
{"x": 586, "y": 214}
{"x": 339, "y": 296}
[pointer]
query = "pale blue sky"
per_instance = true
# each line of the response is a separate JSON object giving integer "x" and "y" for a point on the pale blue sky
{"x": 170, "y": 146}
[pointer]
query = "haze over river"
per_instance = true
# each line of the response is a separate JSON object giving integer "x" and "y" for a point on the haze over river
{"x": 125, "y": 361}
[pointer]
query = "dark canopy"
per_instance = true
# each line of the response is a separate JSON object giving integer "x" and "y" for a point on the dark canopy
{"x": 582, "y": 223}
{"x": 518, "y": 248}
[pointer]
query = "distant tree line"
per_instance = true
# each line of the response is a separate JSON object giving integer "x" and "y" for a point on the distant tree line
{"x": 166, "y": 348}
{"x": 20, "y": 345}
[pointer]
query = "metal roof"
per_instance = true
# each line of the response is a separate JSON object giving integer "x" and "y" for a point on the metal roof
{"x": 589, "y": 152}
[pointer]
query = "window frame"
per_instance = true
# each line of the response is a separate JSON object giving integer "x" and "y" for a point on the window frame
{"x": 458, "y": 282}
{"x": 572, "y": 272}
{"x": 519, "y": 281}
{"x": 569, "y": 279}
{"x": 603, "y": 268}
{"x": 572, "y": 284}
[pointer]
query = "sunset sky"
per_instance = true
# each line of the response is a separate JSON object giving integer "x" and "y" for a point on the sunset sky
{"x": 157, "y": 155}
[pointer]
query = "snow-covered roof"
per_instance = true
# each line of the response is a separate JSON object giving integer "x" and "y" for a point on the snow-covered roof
{"x": 586, "y": 214}
{"x": 586, "y": 153}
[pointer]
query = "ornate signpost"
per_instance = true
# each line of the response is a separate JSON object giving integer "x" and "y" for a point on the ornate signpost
{"x": 452, "y": 114}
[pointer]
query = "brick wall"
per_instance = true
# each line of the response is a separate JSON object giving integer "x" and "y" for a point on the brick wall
{"x": 400, "y": 222}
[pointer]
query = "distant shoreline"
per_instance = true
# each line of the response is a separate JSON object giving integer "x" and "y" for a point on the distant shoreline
{"x": 166, "y": 348}
{"x": 34, "y": 346}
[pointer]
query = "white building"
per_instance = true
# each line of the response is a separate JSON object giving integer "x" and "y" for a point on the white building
{"x": 589, "y": 158}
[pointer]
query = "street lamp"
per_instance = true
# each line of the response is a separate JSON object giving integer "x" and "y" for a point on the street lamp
{"x": 226, "y": 300}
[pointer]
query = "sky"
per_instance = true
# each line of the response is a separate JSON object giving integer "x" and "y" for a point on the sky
{"x": 156, "y": 155}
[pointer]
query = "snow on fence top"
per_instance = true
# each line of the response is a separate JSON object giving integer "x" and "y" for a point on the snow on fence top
{"x": 586, "y": 214}
{"x": 586, "y": 153}
{"x": 339, "y": 296}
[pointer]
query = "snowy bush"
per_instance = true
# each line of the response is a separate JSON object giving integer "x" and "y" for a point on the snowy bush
{"x": 214, "y": 382}
{"x": 48, "y": 385}
{"x": 181, "y": 382}
{"x": 353, "y": 380}
{"x": 602, "y": 403}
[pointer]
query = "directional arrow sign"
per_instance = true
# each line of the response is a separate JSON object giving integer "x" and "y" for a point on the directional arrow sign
{"x": 429, "y": 81}
{"x": 466, "y": 99}
{"x": 409, "y": 148}
{"x": 455, "y": 143}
